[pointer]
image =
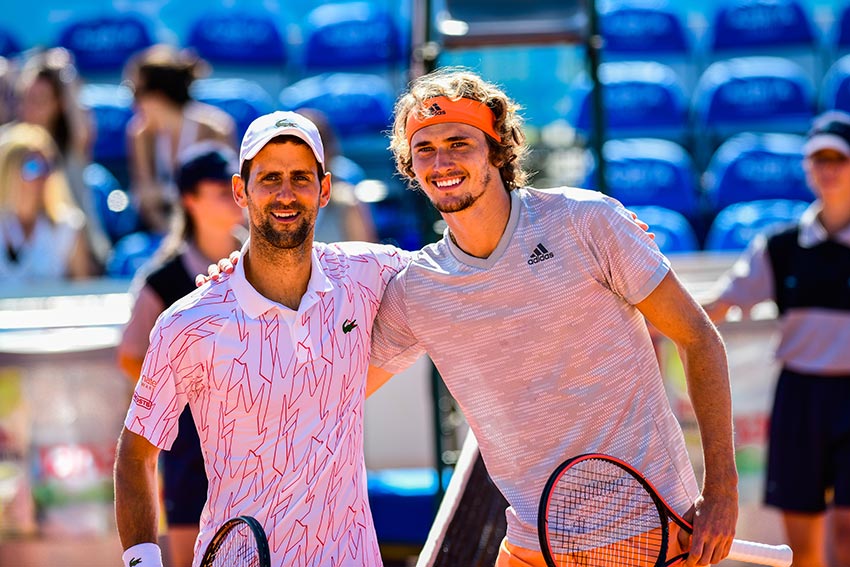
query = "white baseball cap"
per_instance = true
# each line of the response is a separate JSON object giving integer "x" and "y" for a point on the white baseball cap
{"x": 280, "y": 123}
{"x": 830, "y": 131}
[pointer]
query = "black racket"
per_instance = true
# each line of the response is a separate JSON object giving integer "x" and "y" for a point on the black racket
{"x": 597, "y": 510}
{"x": 240, "y": 542}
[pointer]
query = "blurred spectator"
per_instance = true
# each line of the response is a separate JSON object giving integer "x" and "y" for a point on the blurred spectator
{"x": 345, "y": 217}
{"x": 805, "y": 270}
{"x": 42, "y": 231}
{"x": 206, "y": 227}
{"x": 7, "y": 91}
{"x": 48, "y": 94}
{"x": 166, "y": 121}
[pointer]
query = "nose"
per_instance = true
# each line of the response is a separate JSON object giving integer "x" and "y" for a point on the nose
{"x": 285, "y": 194}
{"x": 442, "y": 159}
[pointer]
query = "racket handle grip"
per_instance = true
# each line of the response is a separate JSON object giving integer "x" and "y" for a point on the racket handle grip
{"x": 761, "y": 553}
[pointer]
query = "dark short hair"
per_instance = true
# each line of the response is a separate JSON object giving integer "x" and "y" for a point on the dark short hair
{"x": 206, "y": 160}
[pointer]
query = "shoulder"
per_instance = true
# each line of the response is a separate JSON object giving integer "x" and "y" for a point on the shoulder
{"x": 361, "y": 254}
{"x": 212, "y": 120}
{"x": 571, "y": 198}
{"x": 581, "y": 209}
{"x": 213, "y": 300}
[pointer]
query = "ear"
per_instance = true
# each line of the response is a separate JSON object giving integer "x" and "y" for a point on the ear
{"x": 325, "y": 194}
{"x": 239, "y": 191}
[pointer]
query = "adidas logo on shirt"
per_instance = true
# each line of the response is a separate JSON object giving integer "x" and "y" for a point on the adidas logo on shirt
{"x": 435, "y": 110}
{"x": 540, "y": 253}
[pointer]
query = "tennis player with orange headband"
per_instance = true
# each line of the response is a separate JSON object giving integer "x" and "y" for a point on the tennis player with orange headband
{"x": 533, "y": 307}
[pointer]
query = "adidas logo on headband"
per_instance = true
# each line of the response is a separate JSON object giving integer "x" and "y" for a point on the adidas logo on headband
{"x": 435, "y": 110}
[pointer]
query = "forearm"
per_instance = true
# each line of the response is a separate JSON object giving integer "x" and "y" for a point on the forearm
{"x": 136, "y": 502}
{"x": 708, "y": 385}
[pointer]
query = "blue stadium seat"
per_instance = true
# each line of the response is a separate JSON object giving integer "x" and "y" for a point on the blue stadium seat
{"x": 646, "y": 171}
{"x": 673, "y": 233}
{"x": 102, "y": 45}
{"x": 635, "y": 30}
{"x": 352, "y": 36}
{"x": 111, "y": 107}
{"x": 835, "y": 90}
{"x": 116, "y": 212}
{"x": 131, "y": 252}
{"x": 750, "y": 24}
{"x": 642, "y": 99}
{"x": 737, "y": 225}
{"x": 358, "y": 107}
{"x": 751, "y": 167}
{"x": 242, "y": 99}
{"x": 354, "y": 103}
{"x": 242, "y": 44}
{"x": 237, "y": 37}
{"x": 841, "y": 36}
{"x": 755, "y": 94}
{"x": 9, "y": 44}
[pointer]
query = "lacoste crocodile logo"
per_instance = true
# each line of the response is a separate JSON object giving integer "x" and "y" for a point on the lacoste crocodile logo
{"x": 348, "y": 326}
{"x": 135, "y": 561}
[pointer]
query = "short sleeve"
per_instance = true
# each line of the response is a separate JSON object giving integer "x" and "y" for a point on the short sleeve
{"x": 157, "y": 399}
{"x": 629, "y": 261}
{"x": 394, "y": 346}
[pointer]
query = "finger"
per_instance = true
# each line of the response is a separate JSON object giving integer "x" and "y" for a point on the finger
{"x": 214, "y": 271}
{"x": 684, "y": 538}
{"x": 234, "y": 257}
{"x": 200, "y": 280}
{"x": 721, "y": 550}
{"x": 225, "y": 266}
{"x": 696, "y": 555}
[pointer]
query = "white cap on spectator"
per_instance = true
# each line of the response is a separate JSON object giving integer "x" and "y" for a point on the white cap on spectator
{"x": 280, "y": 123}
{"x": 830, "y": 131}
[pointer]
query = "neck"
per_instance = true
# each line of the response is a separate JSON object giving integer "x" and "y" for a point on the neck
{"x": 478, "y": 229}
{"x": 835, "y": 218}
{"x": 279, "y": 275}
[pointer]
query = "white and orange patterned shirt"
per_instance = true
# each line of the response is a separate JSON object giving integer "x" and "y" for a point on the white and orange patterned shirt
{"x": 277, "y": 396}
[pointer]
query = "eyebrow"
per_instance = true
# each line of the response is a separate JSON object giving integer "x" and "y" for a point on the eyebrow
{"x": 449, "y": 139}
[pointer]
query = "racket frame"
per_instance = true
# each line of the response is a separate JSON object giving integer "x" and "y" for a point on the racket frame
{"x": 259, "y": 537}
{"x": 660, "y": 505}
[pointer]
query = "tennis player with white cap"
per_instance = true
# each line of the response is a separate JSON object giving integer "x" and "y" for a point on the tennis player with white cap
{"x": 272, "y": 362}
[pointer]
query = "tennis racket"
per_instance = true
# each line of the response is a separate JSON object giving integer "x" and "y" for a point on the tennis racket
{"x": 240, "y": 542}
{"x": 597, "y": 510}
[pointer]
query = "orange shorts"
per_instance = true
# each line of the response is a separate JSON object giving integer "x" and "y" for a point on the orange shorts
{"x": 514, "y": 556}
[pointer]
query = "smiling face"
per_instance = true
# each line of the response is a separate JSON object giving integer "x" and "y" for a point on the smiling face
{"x": 452, "y": 165}
{"x": 283, "y": 194}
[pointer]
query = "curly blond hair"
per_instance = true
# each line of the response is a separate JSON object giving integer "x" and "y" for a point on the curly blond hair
{"x": 456, "y": 83}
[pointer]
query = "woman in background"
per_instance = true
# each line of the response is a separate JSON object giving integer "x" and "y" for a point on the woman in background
{"x": 42, "y": 231}
{"x": 166, "y": 121}
{"x": 48, "y": 96}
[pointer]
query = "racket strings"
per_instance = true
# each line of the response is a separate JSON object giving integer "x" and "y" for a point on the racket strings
{"x": 237, "y": 549}
{"x": 598, "y": 514}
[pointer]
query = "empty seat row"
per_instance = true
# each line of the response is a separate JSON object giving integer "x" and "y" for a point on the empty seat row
{"x": 343, "y": 35}
{"x": 733, "y": 229}
{"x": 766, "y": 94}
{"x": 747, "y": 167}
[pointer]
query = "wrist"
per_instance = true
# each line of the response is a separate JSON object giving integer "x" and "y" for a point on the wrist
{"x": 142, "y": 555}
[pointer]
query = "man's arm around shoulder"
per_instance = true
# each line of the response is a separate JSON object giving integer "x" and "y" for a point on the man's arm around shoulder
{"x": 674, "y": 312}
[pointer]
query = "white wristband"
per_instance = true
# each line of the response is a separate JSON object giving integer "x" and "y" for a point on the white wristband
{"x": 143, "y": 555}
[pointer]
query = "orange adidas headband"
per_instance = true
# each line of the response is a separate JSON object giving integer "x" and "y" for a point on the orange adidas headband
{"x": 442, "y": 109}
